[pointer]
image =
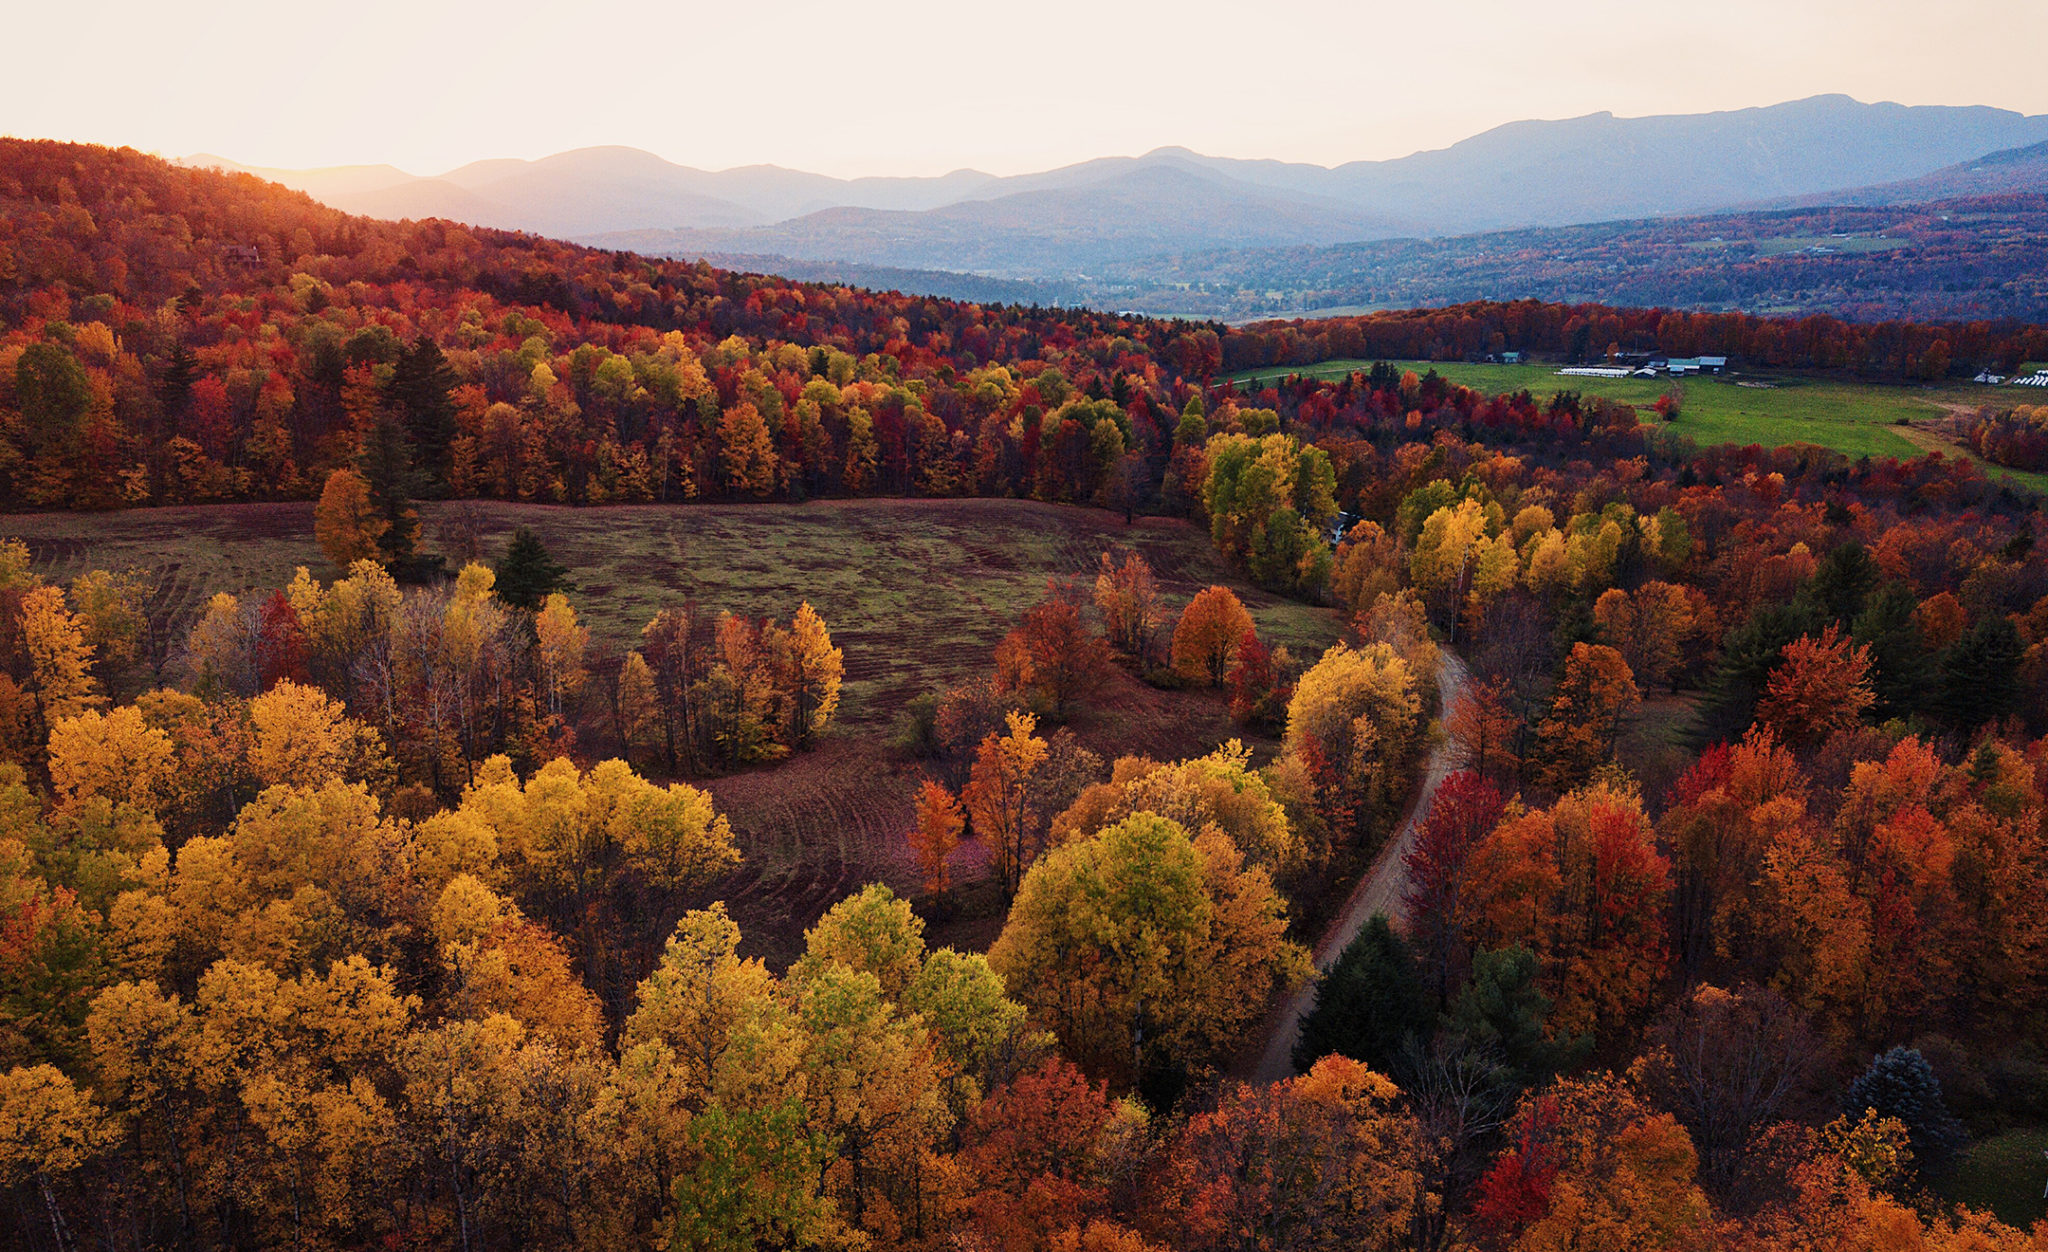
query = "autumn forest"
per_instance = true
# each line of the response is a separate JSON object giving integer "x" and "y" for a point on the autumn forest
{"x": 1395, "y": 816}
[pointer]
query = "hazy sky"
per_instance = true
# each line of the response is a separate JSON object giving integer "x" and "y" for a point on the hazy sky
{"x": 924, "y": 86}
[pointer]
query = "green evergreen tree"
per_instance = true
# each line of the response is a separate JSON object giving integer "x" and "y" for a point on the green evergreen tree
{"x": 387, "y": 467}
{"x": 420, "y": 387}
{"x": 527, "y": 574}
{"x": 181, "y": 370}
{"x": 1501, "y": 1010}
{"x": 1841, "y": 584}
{"x": 1980, "y": 673}
{"x": 1369, "y": 1005}
{"x": 1901, "y": 663}
{"x": 1749, "y": 653}
{"x": 1901, "y": 1084}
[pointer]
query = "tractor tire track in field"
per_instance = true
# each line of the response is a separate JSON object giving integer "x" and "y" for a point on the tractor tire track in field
{"x": 1379, "y": 891}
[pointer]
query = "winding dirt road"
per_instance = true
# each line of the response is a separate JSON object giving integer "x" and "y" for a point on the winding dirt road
{"x": 1379, "y": 891}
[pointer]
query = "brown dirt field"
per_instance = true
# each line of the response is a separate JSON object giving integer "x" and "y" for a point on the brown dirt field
{"x": 916, "y": 592}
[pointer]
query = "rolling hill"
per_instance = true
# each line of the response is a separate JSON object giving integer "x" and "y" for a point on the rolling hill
{"x": 2007, "y": 172}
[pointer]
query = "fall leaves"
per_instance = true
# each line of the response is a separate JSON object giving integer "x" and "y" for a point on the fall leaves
{"x": 1142, "y": 945}
{"x": 728, "y": 690}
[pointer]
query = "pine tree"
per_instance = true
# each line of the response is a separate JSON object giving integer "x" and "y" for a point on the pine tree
{"x": 419, "y": 389}
{"x": 1840, "y": 587}
{"x": 1749, "y": 653}
{"x": 180, "y": 371}
{"x": 1370, "y": 1003}
{"x": 1902, "y": 666}
{"x": 1503, "y": 1011}
{"x": 1901, "y": 1084}
{"x": 1979, "y": 673}
{"x": 528, "y": 575}
{"x": 387, "y": 468}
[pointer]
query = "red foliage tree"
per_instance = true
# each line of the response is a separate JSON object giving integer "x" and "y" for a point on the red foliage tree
{"x": 1464, "y": 810}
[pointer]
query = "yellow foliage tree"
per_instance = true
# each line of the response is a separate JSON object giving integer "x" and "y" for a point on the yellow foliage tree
{"x": 999, "y": 797}
{"x": 60, "y": 660}
{"x": 302, "y": 738}
{"x": 1461, "y": 558}
{"x": 559, "y": 645}
{"x": 1142, "y": 945}
{"x": 115, "y": 755}
{"x": 48, "y": 1129}
{"x": 746, "y": 451}
{"x": 1219, "y": 791}
{"x": 637, "y": 703}
{"x": 1353, "y": 721}
{"x": 814, "y": 671}
{"x": 565, "y": 829}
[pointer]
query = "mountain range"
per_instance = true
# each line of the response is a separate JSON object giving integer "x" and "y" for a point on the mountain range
{"x": 1072, "y": 222}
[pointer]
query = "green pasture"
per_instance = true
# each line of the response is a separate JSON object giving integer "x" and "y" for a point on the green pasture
{"x": 1855, "y": 418}
{"x": 2004, "y": 1175}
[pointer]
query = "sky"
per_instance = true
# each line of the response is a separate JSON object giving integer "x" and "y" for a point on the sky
{"x": 925, "y": 86}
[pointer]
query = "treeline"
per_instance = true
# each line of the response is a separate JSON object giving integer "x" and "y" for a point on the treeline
{"x": 2018, "y": 438}
{"x": 1586, "y": 332}
{"x": 181, "y": 335}
{"x": 172, "y": 335}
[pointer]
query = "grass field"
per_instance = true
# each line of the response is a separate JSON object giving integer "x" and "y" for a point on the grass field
{"x": 1855, "y": 418}
{"x": 2004, "y": 1174}
{"x": 1783, "y": 244}
{"x": 917, "y": 593}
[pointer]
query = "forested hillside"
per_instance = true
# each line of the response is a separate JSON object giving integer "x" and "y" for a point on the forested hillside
{"x": 369, "y": 907}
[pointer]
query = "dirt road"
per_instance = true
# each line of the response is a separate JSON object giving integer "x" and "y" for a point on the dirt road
{"x": 1380, "y": 891}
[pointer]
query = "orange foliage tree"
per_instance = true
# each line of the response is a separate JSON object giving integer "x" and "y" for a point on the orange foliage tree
{"x": 1128, "y": 599}
{"x": 1577, "y": 736}
{"x": 1205, "y": 639}
{"x": 1582, "y": 885}
{"x": 936, "y": 833}
{"x": 1821, "y": 686}
{"x": 1321, "y": 1161}
{"x": 1589, "y": 1166}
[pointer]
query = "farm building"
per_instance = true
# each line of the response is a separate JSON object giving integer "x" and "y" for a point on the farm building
{"x": 1680, "y": 366}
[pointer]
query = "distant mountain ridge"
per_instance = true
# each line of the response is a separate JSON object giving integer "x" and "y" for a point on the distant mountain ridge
{"x": 1059, "y": 223}
{"x": 2012, "y": 171}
